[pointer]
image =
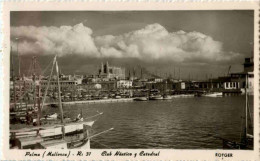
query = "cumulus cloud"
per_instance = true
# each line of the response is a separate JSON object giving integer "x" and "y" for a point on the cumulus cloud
{"x": 152, "y": 42}
{"x": 54, "y": 40}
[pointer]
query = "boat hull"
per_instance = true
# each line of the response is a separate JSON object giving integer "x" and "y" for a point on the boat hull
{"x": 155, "y": 98}
{"x": 51, "y": 131}
{"x": 219, "y": 94}
{"x": 140, "y": 99}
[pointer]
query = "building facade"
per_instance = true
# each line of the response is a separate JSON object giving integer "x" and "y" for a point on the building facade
{"x": 124, "y": 84}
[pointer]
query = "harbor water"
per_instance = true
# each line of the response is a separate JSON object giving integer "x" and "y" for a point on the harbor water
{"x": 179, "y": 123}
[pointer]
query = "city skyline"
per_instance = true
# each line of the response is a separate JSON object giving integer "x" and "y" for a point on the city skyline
{"x": 160, "y": 43}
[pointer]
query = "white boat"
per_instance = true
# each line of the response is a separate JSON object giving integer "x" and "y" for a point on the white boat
{"x": 83, "y": 143}
{"x": 118, "y": 97}
{"x": 62, "y": 144}
{"x": 105, "y": 98}
{"x": 46, "y": 136}
{"x": 214, "y": 94}
{"x": 155, "y": 97}
{"x": 50, "y": 131}
{"x": 140, "y": 99}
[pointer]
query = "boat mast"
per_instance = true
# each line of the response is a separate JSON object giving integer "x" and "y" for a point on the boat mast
{"x": 19, "y": 62}
{"x": 246, "y": 103}
{"x": 45, "y": 94}
{"x": 174, "y": 72}
{"x": 39, "y": 102}
{"x": 34, "y": 82}
{"x": 59, "y": 92}
{"x": 165, "y": 91}
{"x": 141, "y": 73}
{"x": 179, "y": 73}
{"x": 19, "y": 71}
{"x": 12, "y": 69}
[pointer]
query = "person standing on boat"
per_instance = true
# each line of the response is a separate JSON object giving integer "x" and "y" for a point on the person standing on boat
{"x": 28, "y": 118}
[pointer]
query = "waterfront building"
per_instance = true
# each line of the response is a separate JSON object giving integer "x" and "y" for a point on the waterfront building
{"x": 67, "y": 82}
{"x": 234, "y": 82}
{"x": 231, "y": 85}
{"x": 91, "y": 79}
{"x": 64, "y": 84}
{"x": 249, "y": 64}
{"x": 138, "y": 84}
{"x": 93, "y": 84}
{"x": 124, "y": 84}
{"x": 249, "y": 69}
{"x": 156, "y": 80}
{"x": 111, "y": 72}
{"x": 89, "y": 86}
{"x": 184, "y": 85}
{"x": 161, "y": 86}
{"x": 220, "y": 84}
{"x": 77, "y": 78}
{"x": 241, "y": 76}
{"x": 108, "y": 85}
{"x": 180, "y": 85}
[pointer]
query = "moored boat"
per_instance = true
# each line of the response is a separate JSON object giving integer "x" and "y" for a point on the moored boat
{"x": 140, "y": 99}
{"x": 48, "y": 136}
{"x": 118, "y": 97}
{"x": 155, "y": 97}
{"x": 213, "y": 94}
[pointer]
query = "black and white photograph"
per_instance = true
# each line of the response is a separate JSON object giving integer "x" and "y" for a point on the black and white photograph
{"x": 146, "y": 79}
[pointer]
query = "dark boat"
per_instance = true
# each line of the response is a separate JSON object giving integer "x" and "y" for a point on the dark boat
{"x": 155, "y": 97}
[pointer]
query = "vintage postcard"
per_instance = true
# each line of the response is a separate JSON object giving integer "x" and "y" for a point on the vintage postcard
{"x": 130, "y": 81}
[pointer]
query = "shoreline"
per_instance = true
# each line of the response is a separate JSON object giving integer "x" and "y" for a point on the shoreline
{"x": 109, "y": 100}
{"x": 99, "y": 101}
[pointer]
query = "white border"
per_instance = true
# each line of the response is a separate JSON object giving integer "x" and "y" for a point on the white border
{"x": 165, "y": 154}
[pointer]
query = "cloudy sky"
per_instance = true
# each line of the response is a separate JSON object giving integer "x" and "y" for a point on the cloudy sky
{"x": 197, "y": 43}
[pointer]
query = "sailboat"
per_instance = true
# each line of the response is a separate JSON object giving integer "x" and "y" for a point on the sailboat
{"x": 33, "y": 136}
{"x": 18, "y": 109}
{"x": 246, "y": 141}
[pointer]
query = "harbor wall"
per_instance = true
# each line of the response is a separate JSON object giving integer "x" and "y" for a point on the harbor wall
{"x": 99, "y": 101}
